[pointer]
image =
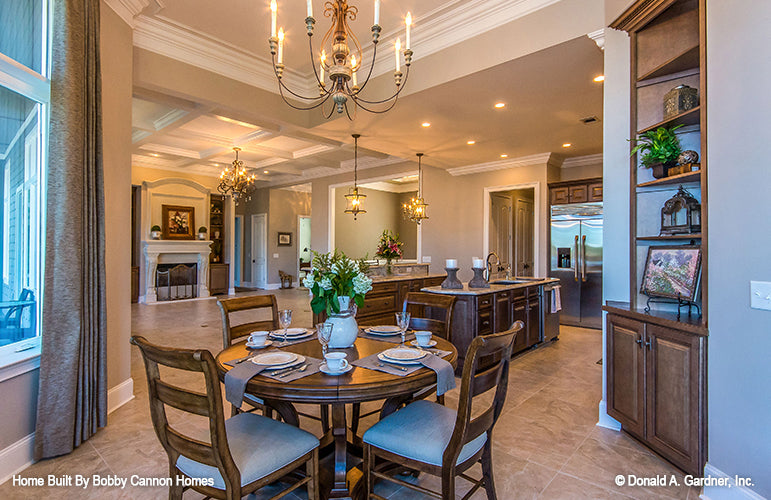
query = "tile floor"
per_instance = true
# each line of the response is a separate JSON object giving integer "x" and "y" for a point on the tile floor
{"x": 546, "y": 443}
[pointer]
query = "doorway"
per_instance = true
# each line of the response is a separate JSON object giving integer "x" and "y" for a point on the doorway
{"x": 259, "y": 251}
{"x": 510, "y": 228}
{"x": 303, "y": 245}
{"x": 238, "y": 248}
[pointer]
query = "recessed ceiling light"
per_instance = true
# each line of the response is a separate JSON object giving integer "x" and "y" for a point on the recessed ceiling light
{"x": 500, "y": 105}
{"x": 264, "y": 171}
{"x": 566, "y": 145}
{"x": 504, "y": 156}
{"x": 216, "y": 164}
{"x": 155, "y": 155}
{"x": 471, "y": 143}
{"x": 600, "y": 78}
{"x": 425, "y": 124}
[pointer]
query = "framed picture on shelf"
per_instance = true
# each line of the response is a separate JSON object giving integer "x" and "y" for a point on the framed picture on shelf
{"x": 672, "y": 271}
{"x": 178, "y": 222}
{"x": 285, "y": 239}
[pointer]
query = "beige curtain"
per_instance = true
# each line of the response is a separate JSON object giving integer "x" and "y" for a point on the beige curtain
{"x": 72, "y": 401}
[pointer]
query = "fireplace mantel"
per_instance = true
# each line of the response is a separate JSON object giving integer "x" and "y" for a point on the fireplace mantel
{"x": 174, "y": 251}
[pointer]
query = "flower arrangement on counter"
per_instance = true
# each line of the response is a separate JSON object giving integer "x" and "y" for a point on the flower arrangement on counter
{"x": 335, "y": 275}
{"x": 389, "y": 247}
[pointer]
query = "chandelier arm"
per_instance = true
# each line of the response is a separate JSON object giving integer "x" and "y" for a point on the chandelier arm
{"x": 304, "y": 108}
{"x": 313, "y": 65}
{"x": 393, "y": 103}
{"x": 395, "y": 95}
{"x": 281, "y": 85}
{"x": 371, "y": 67}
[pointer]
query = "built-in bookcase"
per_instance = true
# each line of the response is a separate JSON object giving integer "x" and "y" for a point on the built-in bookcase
{"x": 667, "y": 49}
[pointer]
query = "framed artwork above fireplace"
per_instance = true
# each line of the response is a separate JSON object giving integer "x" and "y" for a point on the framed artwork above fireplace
{"x": 178, "y": 222}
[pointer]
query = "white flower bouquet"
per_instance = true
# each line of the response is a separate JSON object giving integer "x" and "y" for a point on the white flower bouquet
{"x": 334, "y": 275}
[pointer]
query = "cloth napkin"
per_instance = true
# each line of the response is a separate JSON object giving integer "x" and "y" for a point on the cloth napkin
{"x": 313, "y": 367}
{"x": 237, "y": 377}
{"x": 444, "y": 372}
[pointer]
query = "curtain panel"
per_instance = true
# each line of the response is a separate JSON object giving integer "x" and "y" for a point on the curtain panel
{"x": 72, "y": 401}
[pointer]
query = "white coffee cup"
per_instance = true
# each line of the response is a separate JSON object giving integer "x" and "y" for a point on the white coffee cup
{"x": 258, "y": 338}
{"x": 423, "y": 337}
{"x": 336, "y": 361}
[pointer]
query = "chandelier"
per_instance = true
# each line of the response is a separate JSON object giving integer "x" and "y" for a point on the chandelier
{"x": 339, "y": 61}
{"x": 236, "y": 182}
{"x": 416, "y": 209}
{"x": 354, "y": 198}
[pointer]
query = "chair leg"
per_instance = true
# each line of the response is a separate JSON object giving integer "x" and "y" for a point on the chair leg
{"x": 355, "y": 417}
{"x": 440, "y": 399}
{"x": 175, "y": 490}
{"x": 487, "y": 471}
{"x": 367, "y": 464}
{"x": 448, "y": 484}
{"x": 312, "y": 470}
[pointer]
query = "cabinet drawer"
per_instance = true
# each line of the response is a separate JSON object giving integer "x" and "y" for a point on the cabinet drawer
{"x": 485, "y": 324}
{"x": 378, "y": 304}
{"x": 381, "y": 288}
{"x": 559, "y": 196}
{"x": 435, "y": 281}
{"x": 578, "y": 194}
{"x": 485, "y": 301}
{"x": 416, "y": 285}
{"x": 595, "y": 192}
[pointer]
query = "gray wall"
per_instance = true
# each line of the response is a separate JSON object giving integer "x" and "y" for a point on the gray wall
{"x": 408, "y": 230}
{"x": 738, "y": 82}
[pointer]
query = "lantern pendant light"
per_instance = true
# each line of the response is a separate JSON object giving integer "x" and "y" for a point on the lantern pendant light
{"x": 354, "y": 197}
{"x": 417, "y": 210}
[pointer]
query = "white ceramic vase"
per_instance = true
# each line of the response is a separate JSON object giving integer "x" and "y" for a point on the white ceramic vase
{"x": 156, "y": 235}
{"x": 344, "y": 326}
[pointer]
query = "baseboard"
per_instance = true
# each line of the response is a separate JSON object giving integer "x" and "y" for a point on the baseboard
{"x": 120, "y": 395}
{"x": 606, "y": 420}
{"x": 16, "y": 457}
{"x": 730, "y": 492}
{"x": 272, "y": 286}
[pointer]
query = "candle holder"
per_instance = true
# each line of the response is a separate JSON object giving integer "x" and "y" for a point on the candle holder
{"x": 452, "y": 282}
{"x": 478, "y": 281}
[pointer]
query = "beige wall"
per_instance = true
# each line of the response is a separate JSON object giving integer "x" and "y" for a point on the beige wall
{"x": 285, "y": 207}
{"x": 408, "y": 230}
{"x": 583, "y": 172}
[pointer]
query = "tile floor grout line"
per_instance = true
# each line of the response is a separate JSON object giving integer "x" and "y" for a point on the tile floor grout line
{"x": 101, "y": 457}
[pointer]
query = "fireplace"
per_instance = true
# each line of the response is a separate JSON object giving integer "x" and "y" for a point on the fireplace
{"x": 176, "y": 281}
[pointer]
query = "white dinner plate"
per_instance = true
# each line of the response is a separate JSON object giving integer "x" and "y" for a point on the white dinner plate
{"x": 385, "y": 329}
{"x": 403, "y": 354}
{"x": 431, "y": 343}
{"x": 370, "y": 331}
{"x": 300, "y": 359}
{"x": 323, "y": 368}
{"x": 274, "y": 358}
{"x": 250, "y": 345}
{"x": 386, "y": 359}
{"x": 292, "y": 333}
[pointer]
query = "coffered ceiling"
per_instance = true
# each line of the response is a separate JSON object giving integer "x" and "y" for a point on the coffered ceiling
{"x": 545, "y": 92}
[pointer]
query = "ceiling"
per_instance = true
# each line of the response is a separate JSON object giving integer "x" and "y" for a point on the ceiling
{"x": 546, "y": 93}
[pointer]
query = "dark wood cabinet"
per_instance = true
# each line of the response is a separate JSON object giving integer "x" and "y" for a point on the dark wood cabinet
{"x": 580, "y": 191}
{"x": 134, "y": 284}
{"x": 219, "y": 278}
{"x": 533, "y": 324}
{"x": 657, "y": 387}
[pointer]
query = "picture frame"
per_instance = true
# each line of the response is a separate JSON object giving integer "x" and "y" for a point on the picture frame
{"x": 285, "y": 239}
{"x": 672, "y": 271}
{"x": 178, "y": 222}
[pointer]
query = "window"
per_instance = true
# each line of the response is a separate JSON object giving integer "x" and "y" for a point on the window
{"x": 24, "y": 100}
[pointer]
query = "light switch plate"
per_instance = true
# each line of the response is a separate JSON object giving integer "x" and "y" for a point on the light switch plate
{"x": 275, "y": 256}
{"x": 760, "y": 295}
{"x": 426, "y": 259}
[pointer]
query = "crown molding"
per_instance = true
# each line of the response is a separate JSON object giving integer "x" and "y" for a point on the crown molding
{"x": 409, "y": 187}
{"x": 129, "y": 9}
{"x": 522, "y": 161}
{"x": 447, "y": 25}
{"x": 169, "y": 118}
{"x": 598, "y": 37}
{"x": 345, "y": 166}
{"x": 582, "y": 161}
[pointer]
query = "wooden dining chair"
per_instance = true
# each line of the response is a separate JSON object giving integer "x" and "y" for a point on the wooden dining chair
{"x": 428, "y": 437}
{"x": 431, "y": 312}
{"x": 243, "y": 453}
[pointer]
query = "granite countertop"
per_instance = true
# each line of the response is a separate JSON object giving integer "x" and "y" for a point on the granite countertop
{"x": 493, "y": 287}
{"x": 393, "y": 277}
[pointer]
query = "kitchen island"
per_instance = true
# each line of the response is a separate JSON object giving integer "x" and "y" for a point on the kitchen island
{"x": 482, "y": 311}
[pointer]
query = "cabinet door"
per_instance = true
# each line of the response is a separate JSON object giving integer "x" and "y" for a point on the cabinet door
{"x": 533, "y": 322}
{"x": 519, "y": 313}
{"x": 559, "y": 196}
{"x": 595, "y": 191}
{"x": 625, "y": 373}
{"x": 219, "y": 278}
{"x": 578, "y": 194}
{"x": 675, "y": 381}
{"x": 485, "y": 321}
{"x": 502, "y": 312}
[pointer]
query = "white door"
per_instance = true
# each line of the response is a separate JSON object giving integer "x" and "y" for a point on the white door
{"x": 500, "y": 227}
{"x": 259, "y": 251}
{"x": 303, "y": 241}
{"x": 238, "y": 248}
{"x": 525, "y": 238}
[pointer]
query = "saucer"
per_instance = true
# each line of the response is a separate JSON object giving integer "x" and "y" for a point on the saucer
{"x": 249, "y": 345}
{"x": 431, "y": 343}
{"x": 323, "y": 369}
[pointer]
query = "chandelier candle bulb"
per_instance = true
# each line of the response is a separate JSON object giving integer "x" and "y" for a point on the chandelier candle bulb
{"x": 273, "y": 14}
{"x": 397, "y": 48}
{"x": 321, "y": 66}
{"x": 281, "y": 45}
{"x": 408, "y": 23}
{"x": 310, "y": 8}
{"x": 377, "y": 13}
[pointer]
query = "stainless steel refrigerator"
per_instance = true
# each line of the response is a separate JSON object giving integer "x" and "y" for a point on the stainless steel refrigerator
{"x": 576, "y": 259}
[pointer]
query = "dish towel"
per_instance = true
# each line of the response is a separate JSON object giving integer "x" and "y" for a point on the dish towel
{"x": 556, "y": 299}
{"x": 237, "y": 377}
{"x": 445, "y": 375}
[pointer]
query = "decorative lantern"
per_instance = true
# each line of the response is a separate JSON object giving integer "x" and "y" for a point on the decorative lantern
{"x": 679, "y": 100}
{"x": 681, "y": 214}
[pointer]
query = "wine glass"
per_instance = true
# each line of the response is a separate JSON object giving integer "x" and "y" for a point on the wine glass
{"x": 285, "y": 319}
{"x": 324, "y": 332}
{"x": 403, "y": 322}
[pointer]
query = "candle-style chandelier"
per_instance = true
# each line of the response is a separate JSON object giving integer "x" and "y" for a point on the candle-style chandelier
{"x": 354, "y": 198}
{"x": 416, "y": 210}
{"x": 338, "y": 61}
{"x": 234, "y": 181}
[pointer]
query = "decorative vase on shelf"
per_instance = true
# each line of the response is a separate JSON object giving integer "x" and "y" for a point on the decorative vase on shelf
{"x": 389, "y": 268}
{"x": 661, "y": 170}
{"x": 345, "y": 329}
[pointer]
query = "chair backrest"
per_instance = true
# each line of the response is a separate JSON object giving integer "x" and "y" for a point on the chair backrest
{"x": 477, "y": 379}
{"x": 13, "y": 316}
{"x": 216, "y": 453}
{"x": 231, "y": 332}
{"x": 430, "y": 311}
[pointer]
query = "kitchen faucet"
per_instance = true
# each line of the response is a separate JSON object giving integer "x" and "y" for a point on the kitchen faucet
{"x": 490, "y": 266}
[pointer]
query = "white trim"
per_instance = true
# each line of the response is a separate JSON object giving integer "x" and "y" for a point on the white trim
{"x": 23, "y": 80}
{"x": 536, "y": 187}
{"x": 169, "y": 118}
{"x": 598, "y": 37}
{"x": 606, "y": 420}
{"x": 522, "y": 161}
{"x": 19, "y": 358}
{"x": 254, "y": 217}
{"x": 730, "y": 492}
{"x": 582, "y": 161}
{"x": 120, "y": 395}
{"x": 129, "y": 9}
{"x": 345, "y": 166}
{"x": 390, "y": 187}
{"x": 176, "y": 180}
{"x": 272, "y": 286}
{"x": 299, "y": 250}
{"x": 16, "y": 457}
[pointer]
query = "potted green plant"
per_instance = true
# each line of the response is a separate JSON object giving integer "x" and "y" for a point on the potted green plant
{"x": 155, "y": 232}
{"x": 202, "y": 233}
{"x": 659, "y": 149}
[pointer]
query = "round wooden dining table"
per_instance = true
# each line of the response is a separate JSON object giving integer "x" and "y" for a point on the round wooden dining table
{"x": 357, "y": 386}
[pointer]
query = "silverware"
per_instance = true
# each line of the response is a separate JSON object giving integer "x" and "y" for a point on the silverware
{"x": 242, "y": 360}
{"x": 294, "y": 369}
{"x": 382, "y": 365}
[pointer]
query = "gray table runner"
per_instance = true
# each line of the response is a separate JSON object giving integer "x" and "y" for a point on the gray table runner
{"x": 244, "y": 370}
{"x": 445, "y": 375}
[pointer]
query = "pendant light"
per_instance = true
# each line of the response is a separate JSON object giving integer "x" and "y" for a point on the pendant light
{"x": 417, "y": 210}
{"x": 354, "y": 197}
